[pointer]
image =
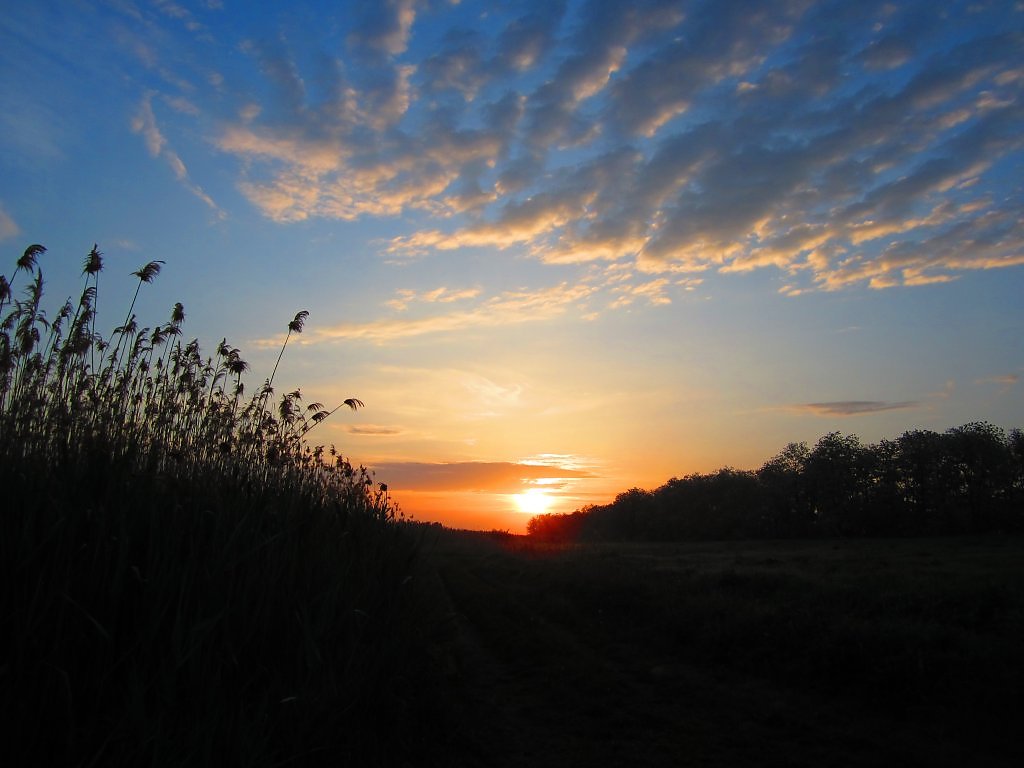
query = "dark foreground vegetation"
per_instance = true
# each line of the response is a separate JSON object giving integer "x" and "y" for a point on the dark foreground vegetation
{"x": 862, "y": 652}
{"x": 183, "y": 579}
{"x": 966, "y": 481}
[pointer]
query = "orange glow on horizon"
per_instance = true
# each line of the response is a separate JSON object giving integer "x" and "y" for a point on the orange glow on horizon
{"x": 497, "y": 495}
{"x": 481, "y": 510}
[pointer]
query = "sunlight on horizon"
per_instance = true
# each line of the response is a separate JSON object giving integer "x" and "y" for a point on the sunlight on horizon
{"x": 532, "y": 501}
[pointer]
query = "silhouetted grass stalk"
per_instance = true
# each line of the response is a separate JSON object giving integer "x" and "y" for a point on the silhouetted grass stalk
{"x": 181, "y": 412}
{"x": 185, "y": 579}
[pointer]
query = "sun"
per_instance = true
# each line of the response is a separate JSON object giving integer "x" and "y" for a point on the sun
{"x": 532, "y": 501}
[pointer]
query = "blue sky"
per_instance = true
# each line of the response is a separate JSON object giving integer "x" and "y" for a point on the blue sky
{"x": 559, "y": 249}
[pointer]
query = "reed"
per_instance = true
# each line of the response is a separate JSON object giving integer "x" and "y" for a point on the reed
{"x": 185, "y": 578}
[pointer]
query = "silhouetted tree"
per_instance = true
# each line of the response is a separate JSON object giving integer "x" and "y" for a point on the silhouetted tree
{"x": 921, "y": 479}
{"x": 785, "y": 508}
{"x": 883, "y": 511}
{"x": 980, "y": 471}
{"x": 968, "y": 480}
{"x": 627, "y": 516}
{"x": 558, "y": 527}
{"x": 723, "y": 505}
{"x": 1015, "y": 444}
{"x": 836, "y": 477}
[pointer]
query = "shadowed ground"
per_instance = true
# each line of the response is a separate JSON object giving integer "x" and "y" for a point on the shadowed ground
{"x": 767, "y": 654}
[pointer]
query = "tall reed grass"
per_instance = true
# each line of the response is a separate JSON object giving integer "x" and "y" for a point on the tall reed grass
{"x": 184, "y": 579}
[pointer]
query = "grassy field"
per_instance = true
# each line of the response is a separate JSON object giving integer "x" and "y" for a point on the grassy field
{"x": 810, "y": 653}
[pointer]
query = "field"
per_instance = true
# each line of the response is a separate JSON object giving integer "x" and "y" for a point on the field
{"x": 808, "y": 653}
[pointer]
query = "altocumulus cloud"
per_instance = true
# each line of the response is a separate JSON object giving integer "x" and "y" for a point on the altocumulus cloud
{"x": 838, "y": 143}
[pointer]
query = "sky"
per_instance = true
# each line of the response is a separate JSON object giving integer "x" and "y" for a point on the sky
{"x": 558, "y": 249}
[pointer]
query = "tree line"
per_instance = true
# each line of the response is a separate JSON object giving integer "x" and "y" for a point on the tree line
{"x": 967, "y": 480}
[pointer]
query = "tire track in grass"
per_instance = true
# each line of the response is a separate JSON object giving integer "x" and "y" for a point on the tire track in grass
{"x": 542, "y": 687}
{"x": 544, "y": 696}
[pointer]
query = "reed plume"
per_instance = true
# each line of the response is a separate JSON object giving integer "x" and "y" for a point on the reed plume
{"x": 176, "y": 559}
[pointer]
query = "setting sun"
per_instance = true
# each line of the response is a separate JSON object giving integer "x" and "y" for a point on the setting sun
{"x": 533, "y": 501}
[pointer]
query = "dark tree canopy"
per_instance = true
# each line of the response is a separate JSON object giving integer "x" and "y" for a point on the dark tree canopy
{"x": 969, "y": 479}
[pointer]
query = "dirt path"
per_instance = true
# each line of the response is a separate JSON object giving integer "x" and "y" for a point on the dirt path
{"x": 542, "y": 685}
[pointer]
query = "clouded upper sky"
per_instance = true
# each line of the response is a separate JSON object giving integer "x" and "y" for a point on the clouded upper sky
{"x": 558, "y": 248}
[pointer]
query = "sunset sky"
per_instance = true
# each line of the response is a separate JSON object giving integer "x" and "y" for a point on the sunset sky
{"x": 559, "y": 249}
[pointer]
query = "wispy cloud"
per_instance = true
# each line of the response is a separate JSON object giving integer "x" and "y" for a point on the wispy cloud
{"x": 144, "y": 123}
{"x": 852, "y": 407}
{"x": 8, "y": 226}
{"x": 443, "y": 295}
{"x": 507, "y": 308}
{"x": 375, "y": 430}
{"x": 1005, "y": 382}
{"x": 444, "y": 310}
{"x": 494, "y": 477}
{"x": 652, "y": 292}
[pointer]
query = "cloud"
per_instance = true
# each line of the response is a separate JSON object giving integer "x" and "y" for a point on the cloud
{"x": 182, "y": 105}
{"x": 527, "y": 40}
{"x": 493, "y": 477}
{"x": 445, "y": 310}
{"x": 508, "y": 308}
{"x": 459, "y": 65}
{"x": 443, "y": 295}
{"x": 574, "y": 204}
{"x": 8, "y": 226}
{"x": 287, "y": 85}
{"x": 144, "y": 123}
{"x": 840, "y": 146}
{"x": 335, "y": 168}
{"x": 373, "y": 430}
{"x": 384, "y": 27}
{"x": 1005, "y": 382}
{"x": 652, "y": 291}
{"x": 467, "y": 396}
{"x": 598, "y": 51}
{"x": 179, "y": 13}
{"x": 1007, "y": 379}
{"x": 852, "y": 407}
{"x": 887, "y": 52}
{"x": 724, "y": 40}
